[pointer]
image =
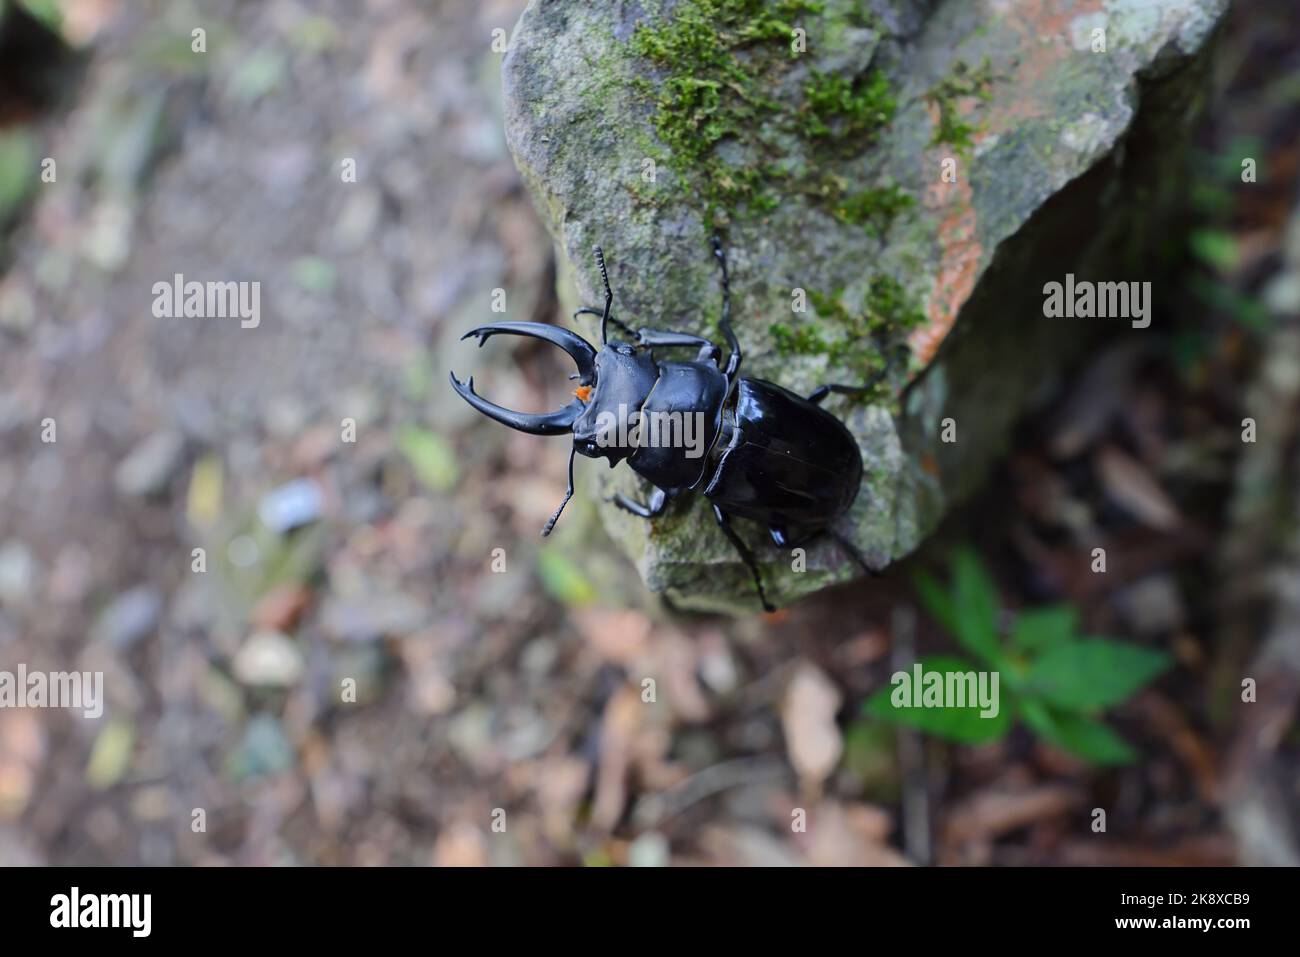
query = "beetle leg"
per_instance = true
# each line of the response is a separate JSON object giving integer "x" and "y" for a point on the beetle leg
{"x": 822, "y": 391}
{"x": 658, "y": 502}
{"x": 665, "y": 339}
{"x": 847, "y": 544}
{"x": 745, "y": 555}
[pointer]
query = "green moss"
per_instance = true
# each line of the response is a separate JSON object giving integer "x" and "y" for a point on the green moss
{"x": 802, "y": 341}
{"x": 964, "y": 82}
{"x": 718, "y": 63}
{"x": 846, "y": 110}
{"x": 873, "y": 209}
{"x": 861, "y": 339}
{"x": 720, "y": 57}
{"x": 890, "y": 309}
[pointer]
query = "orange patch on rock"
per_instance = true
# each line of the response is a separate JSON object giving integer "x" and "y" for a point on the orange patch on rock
{"x": 1044, "y": 31}
{"x": 959, "y": 260}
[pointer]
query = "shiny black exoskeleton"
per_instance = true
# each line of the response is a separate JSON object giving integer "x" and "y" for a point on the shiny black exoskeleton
{"x": 764, "y": 454}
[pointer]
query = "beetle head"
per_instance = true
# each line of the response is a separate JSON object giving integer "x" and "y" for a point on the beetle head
{"x": 612, "y": 385}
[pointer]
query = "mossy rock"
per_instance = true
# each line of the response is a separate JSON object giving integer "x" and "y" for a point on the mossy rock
{"x": 893, "y": 181}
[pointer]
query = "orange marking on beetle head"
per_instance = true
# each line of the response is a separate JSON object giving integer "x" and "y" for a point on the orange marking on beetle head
{"x": 583, "y": 392}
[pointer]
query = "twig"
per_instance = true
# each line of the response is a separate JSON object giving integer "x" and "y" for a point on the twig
{"x": 911, "y": 752}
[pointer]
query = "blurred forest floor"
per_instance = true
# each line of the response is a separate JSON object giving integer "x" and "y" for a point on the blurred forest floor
{"x": 522, "y": 692}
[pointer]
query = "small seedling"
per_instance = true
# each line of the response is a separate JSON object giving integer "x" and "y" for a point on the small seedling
{"x": 1051, "y": 678}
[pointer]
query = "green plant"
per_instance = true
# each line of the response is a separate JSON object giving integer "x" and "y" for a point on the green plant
{"x": 1052, "y": 679}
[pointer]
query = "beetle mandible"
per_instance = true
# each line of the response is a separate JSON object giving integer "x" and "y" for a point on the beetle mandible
{"x": 771, "y": 456}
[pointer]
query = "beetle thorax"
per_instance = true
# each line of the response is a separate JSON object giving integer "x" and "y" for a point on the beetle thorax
{"x": 625, "y": 376}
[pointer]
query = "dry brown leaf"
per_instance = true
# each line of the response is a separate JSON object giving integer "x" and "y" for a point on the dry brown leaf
{"x": 617, "y": 636}
{"x": 623, "y": 716}
{"x": 992, "y": 813}
{"x": 1130, "y": 485}
{"x": 1195, "y": 754}
{"x": 741, "y": 846}
{"x": 1204, "y": 850}
{"x": 850, "y": 836}
{"x": 461, "y": 845}
{"x": 812, "y": 738}
{"x": 281, "y": 607}
{"x": 863, "y": 649}
{"x": 22, "y": 749}
{"x": 679, "y": 664}
{"x": 560, "y": 782}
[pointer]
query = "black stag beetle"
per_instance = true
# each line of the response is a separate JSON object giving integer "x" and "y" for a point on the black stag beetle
{"x": 772, "y": 456}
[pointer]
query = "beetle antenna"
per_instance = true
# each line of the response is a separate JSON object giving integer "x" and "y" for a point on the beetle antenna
{"x": 567, "y": 495}
{"x": 609, "y": 296}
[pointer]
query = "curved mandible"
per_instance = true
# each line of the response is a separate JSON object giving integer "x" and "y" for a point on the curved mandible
{"x": 542, "y": 423}
{"x": 578, "y": 348}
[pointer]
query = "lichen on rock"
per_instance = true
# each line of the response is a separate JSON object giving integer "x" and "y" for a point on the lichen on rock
{"x": 865, "y": 162}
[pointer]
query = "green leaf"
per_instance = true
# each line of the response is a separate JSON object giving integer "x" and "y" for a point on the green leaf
{"x": 977, "y": 603}
{"x": 1040, "y": 628}
{"x": 936, "y": 600}
{"x": 110, "y": 756}
{"x": 19, "y": 170}
{"x": 1082, "y": 736}
{"x": 48, "y": 12}
{"x": 1092, "y": 674}
{"x": 954, "y": 724}
{"x": 430, "y": 455}
{"x": 1225, "y": 297}
{"x": 257, "y": 75}
{"x": 314, "y": 275}
{"x": 563, "y": 579}
{"x": 1216, "y": 247}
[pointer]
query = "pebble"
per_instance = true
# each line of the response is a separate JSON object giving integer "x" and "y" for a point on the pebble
{"x": 265, "y": 749}
{"x": 130, "y": 617}
{"x": 291, "y": 505}
{"x": 17, "y": 573}
{"x": 371, "y": 616}
{"x": 148, "y": 468}
{"x": 649, "y": 850}
{"x": 268, "y": 658}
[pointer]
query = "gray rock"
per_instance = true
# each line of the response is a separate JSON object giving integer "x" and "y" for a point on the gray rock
{"x": 1059, "y": 153}
{"x": 375, "y": 614}
{"x": 291, "y": 505}
{"x": 149, "y": 467}
{"x": 17, "y": 574}
{"x": 264, "y": 749}
{"x": 129, "y": 618}
{"x": 268, "y": 658}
